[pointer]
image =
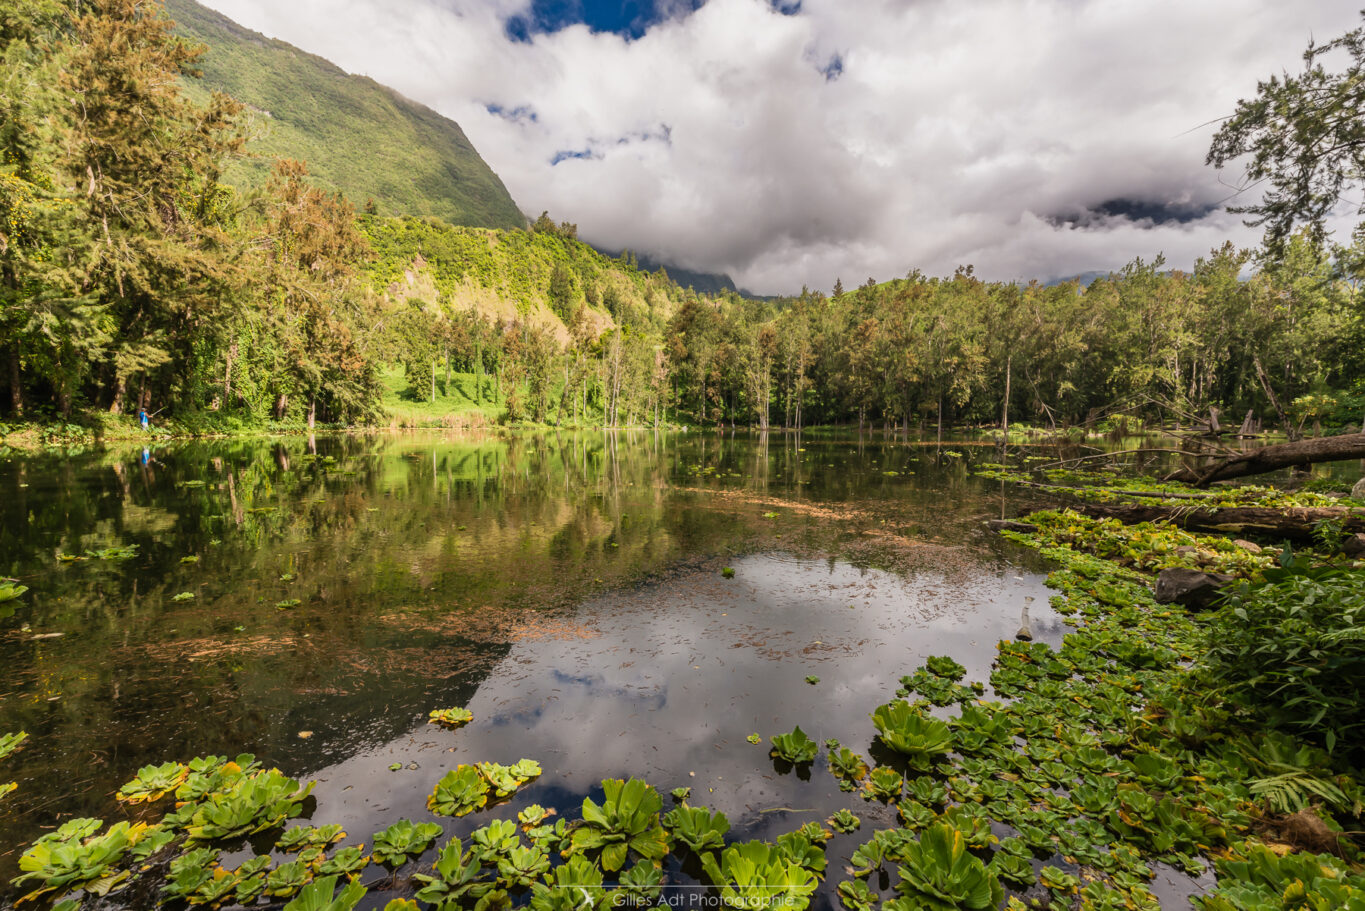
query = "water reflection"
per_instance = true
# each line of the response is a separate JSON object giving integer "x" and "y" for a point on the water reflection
{"x": 665, "y": 682}
{"x": 565, "y": 584}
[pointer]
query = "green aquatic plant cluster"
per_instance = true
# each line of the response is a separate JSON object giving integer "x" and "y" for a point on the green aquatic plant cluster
{"x": 627, "y": 821}
{"x": 794, "y": 747}
{"x": 1109, "y": 487}
{"x": 1149, "y": 546}
{"x": 453, "y": 717}
{"x": 467, "y": 788}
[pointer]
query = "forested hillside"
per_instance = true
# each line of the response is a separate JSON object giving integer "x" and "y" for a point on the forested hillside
{"x": 135, "y": 276}
{"x": 358, "y": 137}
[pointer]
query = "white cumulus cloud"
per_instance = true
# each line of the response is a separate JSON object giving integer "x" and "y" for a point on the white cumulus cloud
{"x": 853, "y": 138}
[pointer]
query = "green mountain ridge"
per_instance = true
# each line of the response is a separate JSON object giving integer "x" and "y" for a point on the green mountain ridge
{"x": 356, "y": 135}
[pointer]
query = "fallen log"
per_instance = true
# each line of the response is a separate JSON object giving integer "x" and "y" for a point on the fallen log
{"x": 1273, "y": 458}
{"x": 1295, "y": 523}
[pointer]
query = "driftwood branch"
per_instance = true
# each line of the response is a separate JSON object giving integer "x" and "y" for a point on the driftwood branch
{"x": 1295, "y": 523}
{"x": 1272, "y": 458}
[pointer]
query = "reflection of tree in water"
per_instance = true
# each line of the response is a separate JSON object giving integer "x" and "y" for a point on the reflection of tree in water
{"x": 413, "y": 561}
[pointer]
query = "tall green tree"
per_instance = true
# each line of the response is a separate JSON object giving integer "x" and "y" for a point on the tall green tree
{"x": 1304, "y": 137}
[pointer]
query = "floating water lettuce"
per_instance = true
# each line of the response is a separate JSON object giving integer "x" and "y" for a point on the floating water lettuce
{"x": 939, "y": 872}
{"x": 884, "y": 784}
{"x": 506, "y": 780}
{"x": 252, "y": 803}
{"x": 453, "y": 717}
{"x": 153, "y": 782}
{"x": 403, "y": 839}
{"x": 457, "y": 877}
{"x": 756, "y": 876}
{"x": 494, "y": 840}
{"x": 627, "y": 820}
{"x": 795, "y": 747}
{"x": 697, "y": 827}
{"x": 519, "y": 867}
{"x": 844, "y": 821}
{"x": 848, "y": 767}
{"x": 574, "y": 884}
{"x": 912, "y": 733}
{"x": 288, "y": 879}
{"x": 855, "y": 895}
{"x": 533, "y": 816}
{"x": 74, "y": 857}
{"x": 321, "y": 895}
{"x": 298, "y": 838}
{"x": 459, "y": 792}
{"x": 11, "y": 589}
{"x": 799, "y": 848}
{"x": 10, "y": 742}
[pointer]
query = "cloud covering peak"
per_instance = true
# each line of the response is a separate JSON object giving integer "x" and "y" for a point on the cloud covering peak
{"x": 793, "y": 143}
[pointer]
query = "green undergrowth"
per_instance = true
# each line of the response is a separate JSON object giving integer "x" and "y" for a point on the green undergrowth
{"x": 1131, "y": 744}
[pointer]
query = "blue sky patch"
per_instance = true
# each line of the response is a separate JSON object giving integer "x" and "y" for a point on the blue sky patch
{"x": 628, "y": 18}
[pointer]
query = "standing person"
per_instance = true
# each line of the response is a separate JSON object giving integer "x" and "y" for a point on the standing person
{"x": 142, "y": 418}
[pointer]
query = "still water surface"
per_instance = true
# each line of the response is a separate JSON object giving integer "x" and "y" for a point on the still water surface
{"x": 566, "y": 589}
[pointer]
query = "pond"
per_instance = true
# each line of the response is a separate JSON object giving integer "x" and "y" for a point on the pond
{"x": 311, "y": 601}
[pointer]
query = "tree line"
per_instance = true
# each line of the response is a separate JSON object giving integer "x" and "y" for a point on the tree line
{"x": 132, "y": 278}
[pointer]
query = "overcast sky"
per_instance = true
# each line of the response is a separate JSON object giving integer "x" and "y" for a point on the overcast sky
{"x": 790, "y": 143}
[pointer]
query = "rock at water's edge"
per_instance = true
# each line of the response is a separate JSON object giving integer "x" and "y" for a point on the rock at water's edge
{"x": 1189, "y": 587}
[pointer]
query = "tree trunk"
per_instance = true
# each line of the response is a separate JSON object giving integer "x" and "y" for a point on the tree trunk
{"x": 1295, "y": 523}
{"x": 1247, "y": 423}
{"x": 312, "y": 411}
{"x": 1274, "y": 400}
{"x": 478, "y": 374}
{"x": 1005, "y": 413}
{"x": 227, "y": 375}
{"x": 16, "y": 386}
{"x": 281, "y": 405}
{"x": 1272, "y": 458}
{"x": 120, "y": 389}
{"x": 433, "y": 381}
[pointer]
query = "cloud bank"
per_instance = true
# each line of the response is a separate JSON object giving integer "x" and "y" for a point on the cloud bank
{"x": 790, "y": 144}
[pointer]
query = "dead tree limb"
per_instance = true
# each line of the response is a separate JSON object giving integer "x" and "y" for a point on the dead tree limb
{"x": 1274, "y": 399}
{"x": 1295, "y": 523}
{"x": 1272, "y": 458}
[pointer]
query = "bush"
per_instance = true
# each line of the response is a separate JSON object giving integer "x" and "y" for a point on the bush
{"x": 1291, "y": 650}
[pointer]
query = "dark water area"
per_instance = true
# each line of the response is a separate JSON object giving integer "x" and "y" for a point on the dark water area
{"x": 311, "y": 601}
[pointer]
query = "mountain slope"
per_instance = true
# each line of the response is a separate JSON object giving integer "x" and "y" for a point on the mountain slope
{"x": 356, "y": 135}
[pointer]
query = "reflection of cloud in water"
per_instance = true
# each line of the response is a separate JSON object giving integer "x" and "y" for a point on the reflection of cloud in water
{"x": 677, "y": 674}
